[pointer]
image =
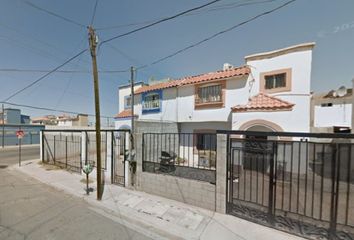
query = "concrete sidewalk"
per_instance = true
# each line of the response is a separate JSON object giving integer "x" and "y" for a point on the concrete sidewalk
{"x": 167, "y": 218}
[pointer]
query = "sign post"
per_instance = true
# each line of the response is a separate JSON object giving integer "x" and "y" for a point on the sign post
{"x": 20, "y": 134}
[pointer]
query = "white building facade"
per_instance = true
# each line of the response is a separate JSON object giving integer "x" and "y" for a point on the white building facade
{"x": 271, "y": 92}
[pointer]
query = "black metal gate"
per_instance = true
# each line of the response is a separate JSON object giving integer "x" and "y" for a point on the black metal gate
{"x": 119, "y": 154}
{"x": 295, "y": 182}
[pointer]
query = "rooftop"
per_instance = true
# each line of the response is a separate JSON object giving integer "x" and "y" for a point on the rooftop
{"x": 127, "y": 113}
{"x": 263, "y": 102}
{"x": 270, "y": 54}
{"x": 206, "y": 77}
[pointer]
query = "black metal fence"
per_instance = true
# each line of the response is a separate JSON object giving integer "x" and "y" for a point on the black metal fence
{"x": 71, "y": 149}
{"x": 63, "y": 149}
{"x": 120, "y": 142}
{"x": 187, "y": 155}
{"x": 301, "y": 183}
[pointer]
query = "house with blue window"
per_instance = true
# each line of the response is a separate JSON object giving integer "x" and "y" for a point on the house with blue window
{"x": 270, "y": 92}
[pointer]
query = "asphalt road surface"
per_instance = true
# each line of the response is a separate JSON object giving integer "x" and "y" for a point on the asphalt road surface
{"x": 32, "y": 210}
{"x": 10, "y": 155}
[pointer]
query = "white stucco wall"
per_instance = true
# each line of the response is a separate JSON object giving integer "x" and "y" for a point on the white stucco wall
{"x": 298, "y": 119}
{"x": 337, "y": 115}
{"x": 122, "y": 93}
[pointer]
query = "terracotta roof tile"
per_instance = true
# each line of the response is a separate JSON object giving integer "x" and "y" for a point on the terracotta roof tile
{"x": 263, "y": 102}
{"x": 238, "y": 71}
{"x": 124, "y": 114}
{"x": 148, "y": 88}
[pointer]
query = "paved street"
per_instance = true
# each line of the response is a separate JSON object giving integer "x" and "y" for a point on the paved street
{"x": 10, "y": 155}
{"x": 32, "y": 210}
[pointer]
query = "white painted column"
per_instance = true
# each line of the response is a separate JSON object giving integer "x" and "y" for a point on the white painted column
{"x": 83, "y": 147}
{"x": 109, "y": 157}
{"x": 41, "y": 143}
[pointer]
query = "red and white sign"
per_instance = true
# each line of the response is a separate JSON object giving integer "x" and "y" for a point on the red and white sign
{"x": 20, "y": 134}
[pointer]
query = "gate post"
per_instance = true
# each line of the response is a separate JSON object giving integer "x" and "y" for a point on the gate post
{"x": 109, "y": 153}
{"x": 41, "y": 140}
{"x": 139, "y": 158}
{"x": 271, "y": 185}
{"x": 221, "y": 173}
{"x": 83, "y": 148}
{"x": 334, "y": 191}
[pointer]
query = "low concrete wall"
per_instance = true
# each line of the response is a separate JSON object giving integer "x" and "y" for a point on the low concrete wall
{"x": 197, "y": 193}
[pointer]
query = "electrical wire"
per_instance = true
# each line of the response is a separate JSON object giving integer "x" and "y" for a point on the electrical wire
{"x": 17, "y": 70}
{"x": 217, "y": 34}
{"x": 54, "y": 14}
{"x": 49, "y": 109}
{"x": 216, "y": 8}
{"x": 45, "y": 75}
{"x": 159, "y": 21}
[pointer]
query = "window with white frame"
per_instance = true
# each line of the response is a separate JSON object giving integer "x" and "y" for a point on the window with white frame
{"x": 151, "y": 101}
{"x": 210, "y": 94}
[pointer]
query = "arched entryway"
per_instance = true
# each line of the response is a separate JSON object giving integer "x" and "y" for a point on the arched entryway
{"x": 261, "y": 125}
{"x": 258, "y": 150}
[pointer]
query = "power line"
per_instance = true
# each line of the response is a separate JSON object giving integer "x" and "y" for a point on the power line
{"x": 94, "y": 13}
{"x": 45, "y": 75}
{"x": 49, "y": 109}
{"x": 216, "y": 8}
{"x": 54, "y": 14}
{"x": 17, "y": 70}
{"x": 159, "y": 21}
{"x": 217, "y": 34}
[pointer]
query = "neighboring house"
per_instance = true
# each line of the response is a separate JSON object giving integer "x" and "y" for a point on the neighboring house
{"x": 332, "y": 111}
{"x": 45, "y": 120}
{"x": 123, "y": 118}
{"x": 271, "y": 92}
{"x": 13, "y": 116}
{"x": 81, "y": 120}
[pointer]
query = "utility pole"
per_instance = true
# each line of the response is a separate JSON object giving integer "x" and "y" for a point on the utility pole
{"x": 3, "y": 126}
{"x": 93, "y": 44}
{"x": 131, "y": 145}
{"x": 132, "y": 70}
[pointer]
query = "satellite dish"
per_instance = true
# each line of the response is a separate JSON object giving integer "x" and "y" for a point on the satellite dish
{"x": 342, "y": 91}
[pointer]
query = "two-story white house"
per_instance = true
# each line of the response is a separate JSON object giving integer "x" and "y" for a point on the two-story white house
{"x": 271, "y": 92}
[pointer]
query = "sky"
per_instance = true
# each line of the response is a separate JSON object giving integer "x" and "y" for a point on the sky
{"x": 32, "y": 39}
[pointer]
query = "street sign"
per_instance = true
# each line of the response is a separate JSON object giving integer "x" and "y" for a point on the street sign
{"x": 20, "y": 134}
